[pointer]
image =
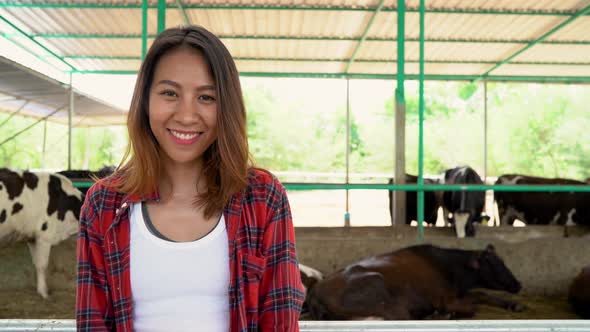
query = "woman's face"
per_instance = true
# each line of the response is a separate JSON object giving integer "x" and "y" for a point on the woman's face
{"x": 183, "y": 107}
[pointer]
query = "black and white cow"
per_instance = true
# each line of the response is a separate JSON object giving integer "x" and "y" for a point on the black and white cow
{"x": 431, "y": 202}
{"x": 40, "y": 208}
{"x": 465, "y": 206}
{"x": 562, "y": 208}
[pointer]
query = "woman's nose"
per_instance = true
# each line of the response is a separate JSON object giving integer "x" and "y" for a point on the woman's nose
{"x": 187, "y": 111}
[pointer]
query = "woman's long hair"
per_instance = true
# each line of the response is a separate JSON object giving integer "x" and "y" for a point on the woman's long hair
{"x": 226, "y": 161}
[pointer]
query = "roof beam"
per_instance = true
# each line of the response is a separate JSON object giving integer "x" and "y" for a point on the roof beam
{"x": 18, "y": 4}
{"x": 434, "y": 40}
{"x": 185, "y": 17}
{"x": 584, "y": 11}
{"x": 364, "y": 35}
{"x": 132, "y": 57}
{"x": 35, "y": 41}
{"x": 493, "y": 78}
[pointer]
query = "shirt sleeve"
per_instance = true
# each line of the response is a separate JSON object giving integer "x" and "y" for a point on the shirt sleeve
{"x": 282, "y": 293}
{"x": 93, "y": 313}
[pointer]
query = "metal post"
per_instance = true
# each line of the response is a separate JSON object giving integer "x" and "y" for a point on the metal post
{"x": 421, "y": 129}
{"x": 161, "y": 15}
{"x": 400, "y": 120}
{"x": 44, "y": 144}
{"x": 485, "y": 131}
{"x": 144, "y": 28}
{"x": 347, "y": 214}
{"x": 70, "y": 116}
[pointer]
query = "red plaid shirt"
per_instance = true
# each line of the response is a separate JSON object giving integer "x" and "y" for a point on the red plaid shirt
{"x": 265, "y": 291}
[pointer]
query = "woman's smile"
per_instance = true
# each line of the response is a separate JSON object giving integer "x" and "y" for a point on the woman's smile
{"x": 184, "y": 137}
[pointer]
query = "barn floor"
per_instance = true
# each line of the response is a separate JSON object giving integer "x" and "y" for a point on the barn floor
{"x": 19, "y": 303}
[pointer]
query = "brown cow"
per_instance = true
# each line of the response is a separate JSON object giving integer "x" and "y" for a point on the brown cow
{"x": 579, "y": 293}
{"x": 414, "y": 283}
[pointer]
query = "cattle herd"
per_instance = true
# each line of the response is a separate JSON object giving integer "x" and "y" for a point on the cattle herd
{"x": 418, "y": 282}
{"x": 467, "y": 207}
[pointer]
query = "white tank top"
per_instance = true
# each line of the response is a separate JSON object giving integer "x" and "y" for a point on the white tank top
{"x": 178, "y": 286}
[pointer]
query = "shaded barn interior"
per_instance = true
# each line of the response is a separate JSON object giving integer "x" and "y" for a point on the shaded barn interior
{"x": 539, "y": 257}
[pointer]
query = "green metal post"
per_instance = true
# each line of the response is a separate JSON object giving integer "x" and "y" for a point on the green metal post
{"x": 421, "y": 129}
{"x": 161, "y": 15}
{"x": 144, "y": 28}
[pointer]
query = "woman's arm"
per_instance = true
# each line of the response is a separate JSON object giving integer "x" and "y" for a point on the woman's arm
{"x": 93, "y": 312}
{"x": 281, "y": 292}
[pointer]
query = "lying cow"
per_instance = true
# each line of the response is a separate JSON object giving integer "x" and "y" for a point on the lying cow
{"x": 41, "y": 208}
{"x": 465, "y": 206}
{"x": 579, "y": 293}
{"x": 562, "y": 208}
{"x": 309, "y": 277}
{"x": 413, "y": 283}
{"x": 431, "y": 203}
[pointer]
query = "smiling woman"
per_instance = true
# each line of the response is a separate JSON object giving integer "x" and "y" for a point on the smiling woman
{"x": 187, "y": 210}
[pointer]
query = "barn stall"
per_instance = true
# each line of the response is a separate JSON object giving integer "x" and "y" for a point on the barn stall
{"x": 542, "y": 44}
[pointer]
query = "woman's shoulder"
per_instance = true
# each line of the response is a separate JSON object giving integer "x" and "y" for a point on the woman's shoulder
{"x": 104, "y": 193}
{"x": 259, "y": 176}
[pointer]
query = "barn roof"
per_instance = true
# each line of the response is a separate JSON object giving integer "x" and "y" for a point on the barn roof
{"x": 29, "y": 93}
{"x": 496, "y": 40}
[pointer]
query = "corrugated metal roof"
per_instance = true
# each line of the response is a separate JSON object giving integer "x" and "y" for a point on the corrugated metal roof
{"x": 41, "y": 96}
{"x": 463, "y": 37}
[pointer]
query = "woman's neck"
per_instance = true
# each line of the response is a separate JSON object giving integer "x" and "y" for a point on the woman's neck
{"x": 180, "y": 182}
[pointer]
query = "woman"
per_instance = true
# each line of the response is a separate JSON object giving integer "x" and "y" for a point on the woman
{"x": 187, "y": 235}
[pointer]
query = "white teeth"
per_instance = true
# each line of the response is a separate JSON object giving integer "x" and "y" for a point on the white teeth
{"x": 183, "y": 136}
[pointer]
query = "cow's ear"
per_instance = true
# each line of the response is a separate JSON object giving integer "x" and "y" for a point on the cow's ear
{"x": 490, "y": 248}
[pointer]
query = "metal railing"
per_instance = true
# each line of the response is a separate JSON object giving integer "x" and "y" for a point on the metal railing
{"x": 68, "y": 325}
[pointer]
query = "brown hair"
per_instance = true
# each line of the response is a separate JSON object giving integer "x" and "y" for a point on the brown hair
{"x": 226, "y": 161}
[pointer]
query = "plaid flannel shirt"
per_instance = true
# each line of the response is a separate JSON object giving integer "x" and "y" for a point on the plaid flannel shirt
{"x": 265, "y": 291}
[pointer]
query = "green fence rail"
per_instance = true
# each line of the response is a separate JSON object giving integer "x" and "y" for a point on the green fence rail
{"x": 415, "y": 187}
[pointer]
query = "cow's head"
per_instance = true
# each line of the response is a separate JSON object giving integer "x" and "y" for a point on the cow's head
{"x": 492, "y": 271}
{"x": 309, "y": 277}
{"x": 64, "y": 204}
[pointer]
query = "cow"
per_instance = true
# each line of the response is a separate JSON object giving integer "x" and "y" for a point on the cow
{"x": 82, "y": 175}
{"x": 40, "y": 208}
{"x": 579, "y": 293}
{"x": 309, "y": 277}
{"x": 416, "y": 282}
{"x": 542, "y": 208}
{"x": 431, "y": 202}
{"x": 465, "y": 206}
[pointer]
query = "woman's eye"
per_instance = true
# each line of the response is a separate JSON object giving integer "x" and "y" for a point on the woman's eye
{"x": 207, "y": 98}
{"x": 168, "y": 93}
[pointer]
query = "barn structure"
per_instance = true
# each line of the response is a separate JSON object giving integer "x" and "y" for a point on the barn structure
{"x": 479, "y": 41}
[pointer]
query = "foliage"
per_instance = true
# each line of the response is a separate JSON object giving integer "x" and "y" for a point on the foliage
{"x": 532, "y": 129}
